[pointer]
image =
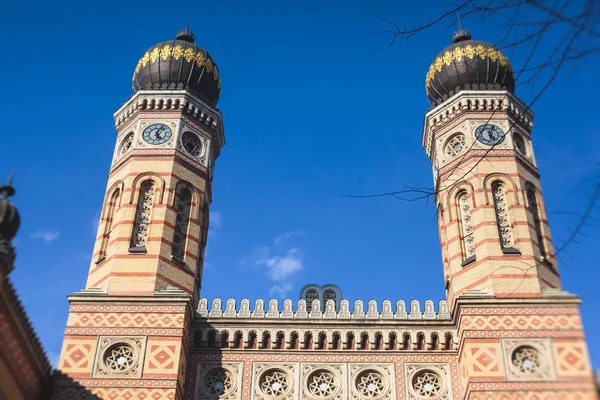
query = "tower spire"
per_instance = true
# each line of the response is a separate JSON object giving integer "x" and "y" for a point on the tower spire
{"x": 7, "y": 189}
{"x": 461, "y": 34}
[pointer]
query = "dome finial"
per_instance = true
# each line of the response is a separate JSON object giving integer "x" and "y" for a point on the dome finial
{"x": 186, "y": 34}
{"x": 7, "y": 190}
{"x": 461, "y": 34}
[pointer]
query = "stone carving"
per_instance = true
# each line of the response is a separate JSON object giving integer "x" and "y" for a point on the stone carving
{"x": 203, "y": 308}
{"x": 344, "y": 310}
{"x": 230, "y": 309}
{"x": 273, "y": 311}
{"x": 216, "y": 311}
{"x": 371, "y": 381}
{"x": 400, "y": 310}
{"x": 244, "y": 309}
{"x": 443, "y": 312}
{"x": 144, "y": 214}
{"x": 359, "y": 312}
{"x": 330, "y": 310}
{"x": 415, "y": 310}
{"x": 218, "y": 380}
{"x": 386, "y": 310}
{"x": 466, "y": 225}
{"x": 427, "y": 381}
{"x": 429, "y": 311}
{"x": 301, "y": 312}
{"x": 372, "y": 312}
{"x": 528, "y": 359}
{"x": 502, "y": 219}
{"x": 315, "y": 311}
{"x": 287, "y": 309}
{"x": 259, "y": 309}
{"x": 119, "y": 357}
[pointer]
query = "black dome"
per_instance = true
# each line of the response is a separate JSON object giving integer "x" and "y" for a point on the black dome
{"x": 179, "y": 64}
{"x": 467, "y": 64}
{"x": 9, "y": 216}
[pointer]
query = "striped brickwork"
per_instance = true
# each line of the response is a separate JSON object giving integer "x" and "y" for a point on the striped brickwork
{"x": 523, "y": 270}
{"x": 127, "y": 332}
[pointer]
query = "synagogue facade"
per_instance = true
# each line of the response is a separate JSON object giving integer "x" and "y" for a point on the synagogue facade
{"x": 506, "y": 329}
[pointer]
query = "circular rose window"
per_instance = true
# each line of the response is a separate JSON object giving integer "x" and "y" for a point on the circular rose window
{"x": 322, "y": 384}
{"x": 427, "y": 384}
{"x": 274, "y": 383}
{"x": 218, "y": 382}
{"x": 119, "y": 357}
{"x": 191, "y": 143}
{"x": 526, "y": 359}
{"x": 371, "y": 384}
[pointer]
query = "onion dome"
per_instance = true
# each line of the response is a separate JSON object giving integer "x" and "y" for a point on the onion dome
{"x": 179, "y": 64}
{"x": 9, "y": 216}
{"x": 467, "y": 64}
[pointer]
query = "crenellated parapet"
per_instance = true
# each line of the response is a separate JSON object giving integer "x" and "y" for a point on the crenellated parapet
{"x": 373, "y": 311}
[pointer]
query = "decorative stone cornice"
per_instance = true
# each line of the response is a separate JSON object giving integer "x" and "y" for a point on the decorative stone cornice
{"x": 178, "y": 101}
{"x": 358, "y": 313}
{"x": 474, "y": 101}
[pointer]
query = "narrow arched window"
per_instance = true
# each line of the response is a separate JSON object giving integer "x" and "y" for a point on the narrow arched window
{"x": 336, "y": 341}
{"x": 183, "y": 203}
{"x": 143, "y": 215}
{"x": 466, "y": 226}
{"x": 311, "y": 295}
{"x": 534, "y": 208}
{"x": 502, "y": 219}
{"x": 294, "y": 340}
{"x": 108, "y": 223}
{"x": 329, "y": 295}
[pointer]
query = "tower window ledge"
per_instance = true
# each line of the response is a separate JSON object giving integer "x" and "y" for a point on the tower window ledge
{"x": 100, "y": 260}
{"x": 178, "y": 260}
{"x": 511, "y": 251}
{"x": 137, "y": 250}
{"x": 468, "y": 261}
{"x": 549, "y": 265}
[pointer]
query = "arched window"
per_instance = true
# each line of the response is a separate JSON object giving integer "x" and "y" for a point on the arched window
{"x": 143, "y": 215}
{"x": 183, "y": 202}
{"x": 308, "y": 341}
{"x": 108, "y": 218}
{"x": 329, "y": 295}
{"x": 336, "y": 341}
{"x": 280, "y": 340}
{"x": 502, "y": 220}
{"x": 311, "y": 295}
{"x": 533, "y": 207}
{"x": 252, "y": 341}
{"x": 350, "y": 341}
{"x": 294, "y": 340}
{"x": 466, "y": 226}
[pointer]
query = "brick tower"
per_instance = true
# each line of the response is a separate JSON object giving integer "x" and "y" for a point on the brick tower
{"x": 499, "y": 263}
{"x": 127, "y": 331}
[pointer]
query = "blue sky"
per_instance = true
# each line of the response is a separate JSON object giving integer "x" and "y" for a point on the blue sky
{"x": 311, "y": 112}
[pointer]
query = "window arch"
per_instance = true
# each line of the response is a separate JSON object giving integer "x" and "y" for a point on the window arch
{"x": 533, "y": 207}
{"x": 183, "y": 203}
{"x": 311, "y": 294}
{"x": 329, "y": 295}
{"x": 143, "y": 215}
{"x": 108, "y": 224}
{"x": 466, "y": 225}
{"x": 505, "y": 232}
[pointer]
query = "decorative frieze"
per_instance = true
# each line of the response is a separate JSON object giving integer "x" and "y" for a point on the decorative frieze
{"x": 330, "y": 313}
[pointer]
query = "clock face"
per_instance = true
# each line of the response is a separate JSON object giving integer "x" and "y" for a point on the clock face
{"x": 157, "y": 134}
{"x": 489, "y": 134}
